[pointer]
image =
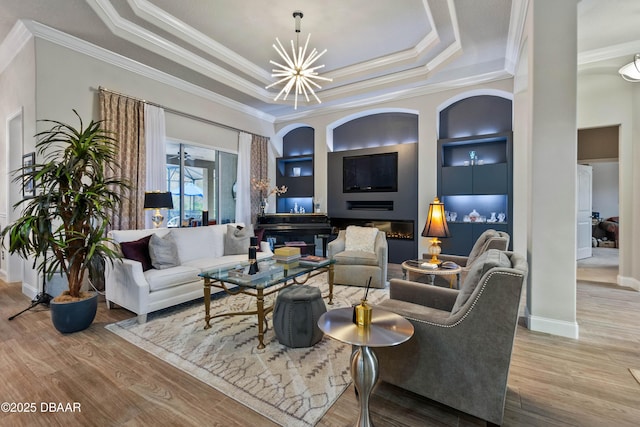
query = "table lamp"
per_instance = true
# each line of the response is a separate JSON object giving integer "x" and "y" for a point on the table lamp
{"x": 435, "y": 227}
{"x": 158, "y": 200}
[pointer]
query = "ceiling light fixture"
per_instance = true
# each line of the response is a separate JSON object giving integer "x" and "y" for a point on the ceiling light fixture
{"x": 631, "y": 71}
{"x": 297, "y": 71}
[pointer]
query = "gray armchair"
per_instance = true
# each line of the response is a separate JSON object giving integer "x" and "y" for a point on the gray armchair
{"x": 354, "y": 267}
{"x": 461, "y": 349}
{"x": 489, "y": 239}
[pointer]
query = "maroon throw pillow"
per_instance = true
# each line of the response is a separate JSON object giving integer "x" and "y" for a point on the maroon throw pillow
{"x": 138, "y": 250}
{"x": 259, "y": 233}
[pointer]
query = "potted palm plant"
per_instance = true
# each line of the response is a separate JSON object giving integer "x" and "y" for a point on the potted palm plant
{"x": 63, "y": 226}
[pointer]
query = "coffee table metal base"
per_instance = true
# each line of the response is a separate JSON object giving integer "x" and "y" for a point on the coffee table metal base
{"x": 365, "y": 373}
{"x": 259, "y": 293}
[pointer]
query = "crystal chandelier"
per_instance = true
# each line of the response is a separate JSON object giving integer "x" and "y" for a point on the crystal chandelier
{"x": 297, "y": 73}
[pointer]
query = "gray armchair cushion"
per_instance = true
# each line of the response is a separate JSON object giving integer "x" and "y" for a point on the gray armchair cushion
{"x": 481, "y": 245}
{"x": 488, "y": 260}
{"x": 356, "y": 258}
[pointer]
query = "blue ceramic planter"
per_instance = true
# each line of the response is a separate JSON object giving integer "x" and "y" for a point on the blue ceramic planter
{"x": 68, "y": 317}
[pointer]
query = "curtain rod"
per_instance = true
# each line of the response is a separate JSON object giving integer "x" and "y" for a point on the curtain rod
{"x": 176, "y": 112}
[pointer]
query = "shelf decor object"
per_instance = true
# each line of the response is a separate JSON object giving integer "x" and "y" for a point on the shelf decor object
{"x": 297, "y": 73}
{"x": 158, "y": 200}
{"x": 435, "y": 227}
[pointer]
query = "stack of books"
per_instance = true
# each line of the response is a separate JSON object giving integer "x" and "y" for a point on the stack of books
{"x": 313, "y": 260}
{"x": 289, "y": 256}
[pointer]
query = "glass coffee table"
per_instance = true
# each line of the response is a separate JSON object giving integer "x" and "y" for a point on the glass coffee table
{"x": 270, "y": 282}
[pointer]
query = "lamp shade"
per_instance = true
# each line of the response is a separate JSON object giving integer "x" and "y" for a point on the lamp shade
{"x": 436, "y": 225}
{"x": 631, "y": 71}
{"x": 158, "y": 200}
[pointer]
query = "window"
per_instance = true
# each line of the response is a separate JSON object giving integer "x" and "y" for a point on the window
{"x": 200, "y": 179}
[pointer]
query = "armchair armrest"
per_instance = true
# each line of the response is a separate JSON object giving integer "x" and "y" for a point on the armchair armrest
{"x": 421, "y": 294}
{"x": 336, "y": 246}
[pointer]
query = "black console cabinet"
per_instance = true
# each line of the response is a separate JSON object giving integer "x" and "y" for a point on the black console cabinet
{"x": 482, "y": 183}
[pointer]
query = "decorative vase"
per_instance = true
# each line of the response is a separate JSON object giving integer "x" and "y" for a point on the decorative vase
{"x": 264, "y": 204}
{"x": 74, "y": 316}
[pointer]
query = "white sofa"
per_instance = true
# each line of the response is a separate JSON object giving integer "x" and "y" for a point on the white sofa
{"x": 199, "y": 249}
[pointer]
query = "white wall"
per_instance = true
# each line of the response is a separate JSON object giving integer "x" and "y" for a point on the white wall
{"x": 605, "y": 189}
{"x": 17, "y": 97}
{"x": 607, "y": 100}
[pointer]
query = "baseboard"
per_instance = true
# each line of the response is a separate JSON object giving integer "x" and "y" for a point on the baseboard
{"x": 629, "y": 282}
{"x": 29, "y": 290}
{"x": 552, "y": 326}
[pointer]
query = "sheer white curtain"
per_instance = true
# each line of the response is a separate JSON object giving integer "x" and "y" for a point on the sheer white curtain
{"x": 243, "y": 180}
{"x": 155, "y": 136}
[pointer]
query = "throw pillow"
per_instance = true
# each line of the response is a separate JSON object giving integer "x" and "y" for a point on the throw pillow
{"x": 138, "y": 250}
{"x": 259, "y": 232}
{"x": 488, "y": 260}
{"x": 360, "y": 239}
{"x": 237, "y": 239}
{"x": 163, "y": 251}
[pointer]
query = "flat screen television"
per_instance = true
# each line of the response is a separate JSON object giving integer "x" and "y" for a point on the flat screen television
{"x": 370, "y": 173}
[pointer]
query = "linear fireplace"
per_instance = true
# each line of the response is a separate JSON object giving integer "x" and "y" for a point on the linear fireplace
{"x": 394, "y": 229}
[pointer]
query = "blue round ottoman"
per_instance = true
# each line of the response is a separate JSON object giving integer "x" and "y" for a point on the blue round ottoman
{"x": 296, "y": 314}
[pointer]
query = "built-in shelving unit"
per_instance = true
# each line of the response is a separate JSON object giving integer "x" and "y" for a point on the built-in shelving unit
{"x": 295, "y": 171}
{"x": 475, "y": 174}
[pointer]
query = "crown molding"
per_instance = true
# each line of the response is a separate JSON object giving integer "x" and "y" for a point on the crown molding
{"x": 609, "y": 52}
{"x": 160, "y": 18}
{"x": 150, "y": 41}
{"x": 516, "y": 33}
{"x": 13, "y": 44}
{"x": 398, "y": 95}
{"x": 101, "y": 54}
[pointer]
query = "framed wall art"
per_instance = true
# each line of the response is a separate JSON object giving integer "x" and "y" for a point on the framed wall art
{"x": 29, "y": 187}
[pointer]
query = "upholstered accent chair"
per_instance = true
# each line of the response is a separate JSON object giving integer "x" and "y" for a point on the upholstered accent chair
{"x": 489, "y": 239}
{"x": 461, "y": 350}
{"x": 359, "y": 253}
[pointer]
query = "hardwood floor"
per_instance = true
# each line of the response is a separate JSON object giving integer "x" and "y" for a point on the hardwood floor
{"x": 553, "y": 381}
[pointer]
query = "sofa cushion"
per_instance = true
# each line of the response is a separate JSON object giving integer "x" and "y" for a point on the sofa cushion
{"x": 163, "y": 251}
{"x": 360, "y": 238}
{"x": 194, "y": 242}
{"x": 138, "y": 250}
{"x": 170, "y": 277}
{"x": 356, "y": 258}
{"x": 488, "y": 260}
{"x": 236, "y": 241}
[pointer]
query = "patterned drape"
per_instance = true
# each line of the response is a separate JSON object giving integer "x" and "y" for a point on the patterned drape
{"x": 259, "y": 170}
{"x": 125, "y": 118}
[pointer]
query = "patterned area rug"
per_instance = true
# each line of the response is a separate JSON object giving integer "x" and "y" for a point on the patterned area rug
{"x": 291, "y": 386}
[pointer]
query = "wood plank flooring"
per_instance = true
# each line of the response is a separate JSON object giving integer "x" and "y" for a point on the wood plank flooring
{"x": 553, "y": 381}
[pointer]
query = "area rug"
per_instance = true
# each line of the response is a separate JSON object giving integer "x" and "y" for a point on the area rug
{"x": 291, "y": 386}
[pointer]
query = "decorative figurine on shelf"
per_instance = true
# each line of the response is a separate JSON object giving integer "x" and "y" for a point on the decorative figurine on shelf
{"x": 253, "y": 249}
{"x": 501, "y": 217}
{"x": 493, "y": 217}
{"x": 474, "y": 216}
{"x": 473, "y": 157}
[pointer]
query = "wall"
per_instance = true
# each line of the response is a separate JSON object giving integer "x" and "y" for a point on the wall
{"x": 49, "y": 81}
{"x": 18, "y": 97}
{"x": 426, "y": 106}
{"x": 607, "y": 100}
{"x": 605, "y": 189}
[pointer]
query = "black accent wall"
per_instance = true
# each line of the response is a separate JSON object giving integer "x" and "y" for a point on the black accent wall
{"x": 401, "y": 205}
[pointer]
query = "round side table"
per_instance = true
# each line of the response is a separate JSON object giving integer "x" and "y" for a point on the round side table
{"x": 386, "y": 329}
{"x": 413, "y": 267}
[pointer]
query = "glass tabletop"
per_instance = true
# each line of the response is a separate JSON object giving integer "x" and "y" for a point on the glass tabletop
{"x": 270, "y": 273}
